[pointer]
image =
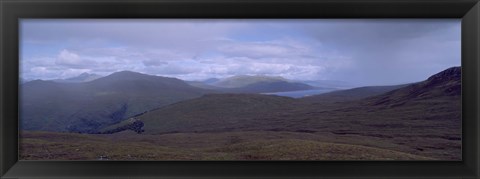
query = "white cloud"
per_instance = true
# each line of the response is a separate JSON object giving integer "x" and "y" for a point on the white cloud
{"x": 73, "y": 60}
{"x": 68, "y": 58}
{"x": 196, "y": 49}
{"x": 283, "y": 48}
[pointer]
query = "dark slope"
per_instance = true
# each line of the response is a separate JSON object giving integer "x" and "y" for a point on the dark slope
{"x": 441, "y": 85}
{"x": 424, "y": 117}
{"x": 208, "y": 111}
{"x": 423, "y": 107}
{"x": 216, "y": 112}
{"x": 87, "y": 107}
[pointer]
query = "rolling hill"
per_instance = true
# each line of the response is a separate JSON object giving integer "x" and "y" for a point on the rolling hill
{"x": 89, "y": 106}
{"x": 423, "y": 118}
{"x": 214, "y": 112}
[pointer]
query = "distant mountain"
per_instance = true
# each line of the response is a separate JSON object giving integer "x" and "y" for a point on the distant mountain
{"x": 210, "y": 80}
{"x": 245, "y": 80}
{"x": 203, "y": 85}
{"x": 258, "y": 84}
{"x": 270, "y": 87}
{"x": 84, "y": 77}
{"x": 23, "y": 80}
{"x": 330, "y": 84}
{"x": 89, "y": 106}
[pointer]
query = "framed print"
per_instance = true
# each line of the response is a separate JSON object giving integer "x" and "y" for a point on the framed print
{"x": 242, "y": 89}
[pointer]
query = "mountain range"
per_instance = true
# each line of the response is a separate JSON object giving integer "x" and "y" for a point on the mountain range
{"x": 227, "y": 112}
{"x": 168, "y": 105}
{"x": 421, "y": 119}
{"x": 251, "y": 84}
{"x": 88, "y": 106}
{"x": 89, "y": 102}
{"x": 84, "y": 77}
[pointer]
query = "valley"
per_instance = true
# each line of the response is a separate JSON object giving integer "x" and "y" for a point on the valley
{"x": 232, "y": 120}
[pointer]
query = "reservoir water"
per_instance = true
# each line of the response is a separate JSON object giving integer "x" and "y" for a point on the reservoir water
{"x": 301, "y": 93}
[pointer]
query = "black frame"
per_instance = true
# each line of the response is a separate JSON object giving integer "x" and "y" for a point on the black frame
{"x": 12, "y": 10}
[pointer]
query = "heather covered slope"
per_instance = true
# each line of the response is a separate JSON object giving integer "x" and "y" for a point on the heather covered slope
{"x": 198, "y": 146}
{"x": 442, "y": 85}
{"x": 225, "y": 112}
{"x": 87, "y": 107}
{"x": 428, "y": 122}
{"x": 215, "y": 112}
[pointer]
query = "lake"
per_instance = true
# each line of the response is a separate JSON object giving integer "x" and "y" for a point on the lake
{"x": 301, "y": 93}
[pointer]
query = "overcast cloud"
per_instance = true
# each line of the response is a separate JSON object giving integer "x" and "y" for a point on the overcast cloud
{"x": 366, "y": 52}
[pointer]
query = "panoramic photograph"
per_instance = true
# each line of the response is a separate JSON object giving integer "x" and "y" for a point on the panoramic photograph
{"x": 240, "y": 89}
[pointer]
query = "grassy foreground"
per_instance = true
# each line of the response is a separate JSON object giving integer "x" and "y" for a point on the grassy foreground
{"x": 249, "y": 145}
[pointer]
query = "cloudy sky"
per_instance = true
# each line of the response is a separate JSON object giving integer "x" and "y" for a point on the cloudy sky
{"x": 359, "y": 51}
